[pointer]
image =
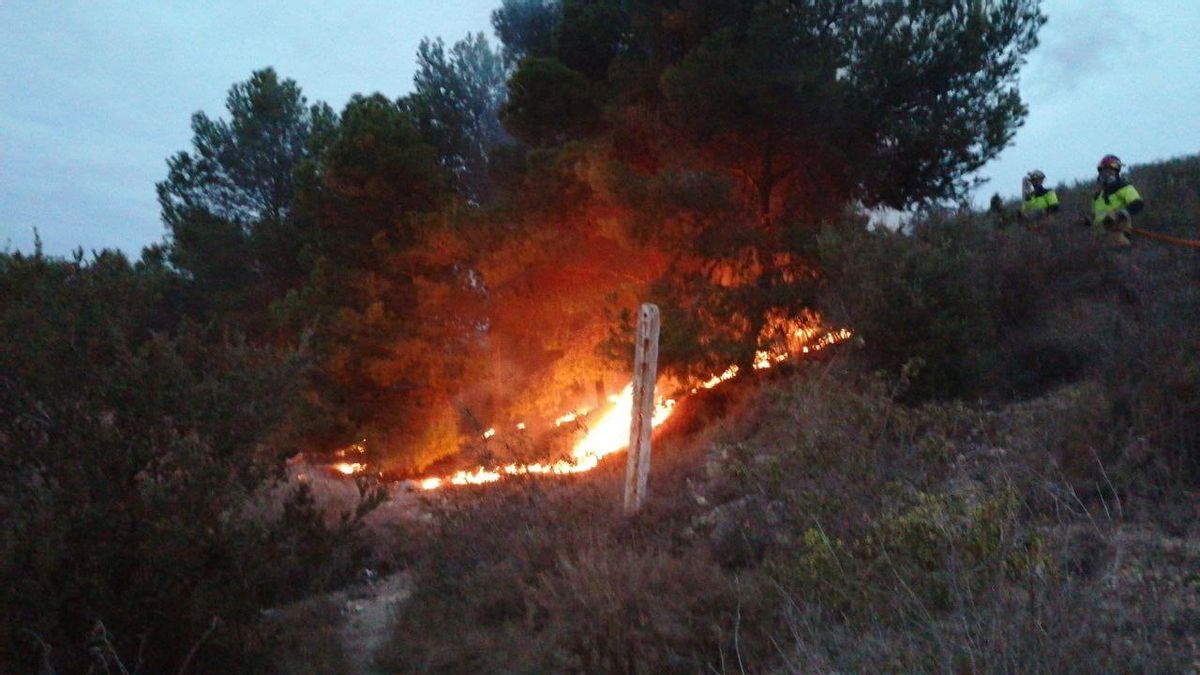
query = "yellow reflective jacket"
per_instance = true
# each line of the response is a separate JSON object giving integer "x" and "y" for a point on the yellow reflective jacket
{"x": 1105, "y": 203}
{"x": 1040, "y": 202}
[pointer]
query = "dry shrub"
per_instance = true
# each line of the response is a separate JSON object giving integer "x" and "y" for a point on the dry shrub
{"x": 535, "y": 577}
{"x": 1151, "y": 374}
{"x": 305, "y": 639}
{"x": 1056, "y": 624}
{"x": 964, "y": 311}
{"x": 469, "y": 611}
{"x": 953, "y": 537}
{"x": 608, "y": 609}
{"x": 978, "y": 309}
{"x": 833, "y": 446}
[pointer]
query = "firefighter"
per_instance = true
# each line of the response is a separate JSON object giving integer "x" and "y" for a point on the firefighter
{"x": 1115, "y": 203}
{"x": 1039, "y": 201}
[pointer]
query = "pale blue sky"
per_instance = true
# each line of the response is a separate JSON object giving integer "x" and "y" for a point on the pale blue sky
{"x": 95, "y": 95}
{"x": 1110, "y": 76}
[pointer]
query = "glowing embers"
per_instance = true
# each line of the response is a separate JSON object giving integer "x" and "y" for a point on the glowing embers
{"x": 347, "y": 467}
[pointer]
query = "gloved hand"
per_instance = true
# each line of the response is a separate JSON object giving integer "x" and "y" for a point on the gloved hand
{"x": 1117, "y": 220}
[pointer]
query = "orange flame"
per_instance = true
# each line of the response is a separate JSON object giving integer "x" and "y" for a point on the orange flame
{"x": 610, "y": 433}
{"x": 348, "y": 468}
{"x": 569, "y": 417}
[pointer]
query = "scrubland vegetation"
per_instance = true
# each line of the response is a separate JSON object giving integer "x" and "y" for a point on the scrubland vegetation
{"x": 998, "y": 473}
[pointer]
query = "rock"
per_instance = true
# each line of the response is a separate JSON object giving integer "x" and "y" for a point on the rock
{"x": 740, "y": 534}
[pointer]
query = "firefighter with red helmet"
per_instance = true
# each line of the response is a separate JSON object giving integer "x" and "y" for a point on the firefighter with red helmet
{"x": 1115, "y": 202}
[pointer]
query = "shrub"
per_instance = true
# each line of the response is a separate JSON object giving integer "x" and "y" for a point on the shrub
{"x": 557, "y": 581}
{"x": 913, "y": 299}
{"x": 126, "y": 466}
{"x": 950, "y": 537}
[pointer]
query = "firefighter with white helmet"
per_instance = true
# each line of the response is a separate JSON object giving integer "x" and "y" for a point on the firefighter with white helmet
{"x": 1039, "y": 201}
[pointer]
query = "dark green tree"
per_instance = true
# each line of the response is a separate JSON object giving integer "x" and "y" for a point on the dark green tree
{"x": 938, "y": 86}
{"x": 790, "y": 114}
{"x": 131, "y": 442}
{"x": 390, "y": 340}
{"x": 549, "y": 103}
{"x": 228, "y": 204}
{"x": 456, "y": 103}
{"x": 375, "y": 171}
{"x": 526, "y": 28}
{"x": 886, "y": 104}
{"x": 590, "y": 36}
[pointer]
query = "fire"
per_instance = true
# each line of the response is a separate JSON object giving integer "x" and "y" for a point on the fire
{"x": 569, "y": 417}
{"x": 610, "y": 433}
{"x": 347, "y": 467}
{"x": 730, "y": 373}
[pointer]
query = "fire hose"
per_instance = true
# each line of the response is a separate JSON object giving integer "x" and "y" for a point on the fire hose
{"x": 1190, "y": 243}
{"x": 1085, "y": 220}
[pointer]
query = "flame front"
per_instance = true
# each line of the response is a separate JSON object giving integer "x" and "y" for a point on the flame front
{"x": 610, "y": 433}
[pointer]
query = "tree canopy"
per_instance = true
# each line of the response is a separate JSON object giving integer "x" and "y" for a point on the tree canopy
{"x": 456, "y": 105}
{"x": 228, "y": 205}
{"x": 485, "y": 232}
{"x": 746, "y": 127}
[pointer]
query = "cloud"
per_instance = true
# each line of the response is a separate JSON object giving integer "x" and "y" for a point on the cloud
{"x": 1079, "y": 43}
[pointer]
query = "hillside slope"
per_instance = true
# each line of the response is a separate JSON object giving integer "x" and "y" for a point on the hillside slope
{"x": 1000, "y": 474}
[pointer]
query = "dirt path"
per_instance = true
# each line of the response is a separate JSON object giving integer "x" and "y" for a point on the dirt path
{"x": 368, "y": 611}
{"x": 343, "y": 631}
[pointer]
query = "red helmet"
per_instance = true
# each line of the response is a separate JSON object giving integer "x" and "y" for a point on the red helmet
{"x": 1110, "y": 162}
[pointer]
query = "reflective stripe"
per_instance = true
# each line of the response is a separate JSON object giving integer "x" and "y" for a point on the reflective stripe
{"x": 1040, "y": 203}
{"x": 1115, "y": 202}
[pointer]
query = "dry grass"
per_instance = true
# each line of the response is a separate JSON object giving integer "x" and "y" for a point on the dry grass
{"x": 884, "y": 538}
